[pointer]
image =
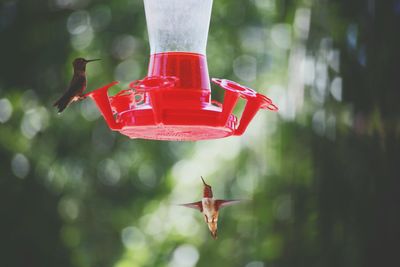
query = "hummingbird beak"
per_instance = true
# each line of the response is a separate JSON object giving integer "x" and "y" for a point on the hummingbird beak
{"x": 203, "y": 181}
{"x": 91, "y": 60}
{"x": 207, "y": 192}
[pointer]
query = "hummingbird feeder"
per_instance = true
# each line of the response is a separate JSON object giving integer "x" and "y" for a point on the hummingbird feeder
{"x": 173, "y": 102}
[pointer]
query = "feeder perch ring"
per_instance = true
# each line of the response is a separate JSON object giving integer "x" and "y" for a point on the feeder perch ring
{"x": 266, "y": 103}
{"x": 245, "y": 92}
{"x": 154, "y": 83}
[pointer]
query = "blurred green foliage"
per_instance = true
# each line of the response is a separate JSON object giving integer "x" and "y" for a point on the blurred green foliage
{"x": 321, "y": 176}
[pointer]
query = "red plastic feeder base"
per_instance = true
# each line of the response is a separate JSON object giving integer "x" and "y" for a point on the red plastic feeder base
{"x": 173, "y": 102}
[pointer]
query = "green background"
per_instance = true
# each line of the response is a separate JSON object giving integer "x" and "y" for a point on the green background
{"x": 321, "y": 175}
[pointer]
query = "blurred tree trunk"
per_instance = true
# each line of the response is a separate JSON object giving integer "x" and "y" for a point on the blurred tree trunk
{"x": 358, "y": 174}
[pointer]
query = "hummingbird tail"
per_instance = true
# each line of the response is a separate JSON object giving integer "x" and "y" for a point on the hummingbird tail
{"x": 61, "y": 103}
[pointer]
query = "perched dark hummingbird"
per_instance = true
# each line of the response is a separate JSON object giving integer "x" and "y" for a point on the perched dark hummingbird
{"x": 77, "y": 85}
{"x": 210, "y": 208}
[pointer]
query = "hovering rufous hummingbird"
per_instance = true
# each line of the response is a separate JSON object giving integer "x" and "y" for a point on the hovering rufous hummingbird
{"x": 210, "y": 207}
{"x": 77, "y": 85}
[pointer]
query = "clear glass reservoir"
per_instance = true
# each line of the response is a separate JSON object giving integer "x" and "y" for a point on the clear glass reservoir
{"x": 178, "y": 25}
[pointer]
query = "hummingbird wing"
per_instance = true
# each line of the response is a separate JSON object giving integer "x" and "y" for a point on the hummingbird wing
{"x": 220, "y": 203}
{"x": 75, "y": 88}
{"x": 195, "y": 205}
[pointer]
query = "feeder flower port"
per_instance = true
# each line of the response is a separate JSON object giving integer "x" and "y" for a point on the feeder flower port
{"x": 173, "y": 102}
